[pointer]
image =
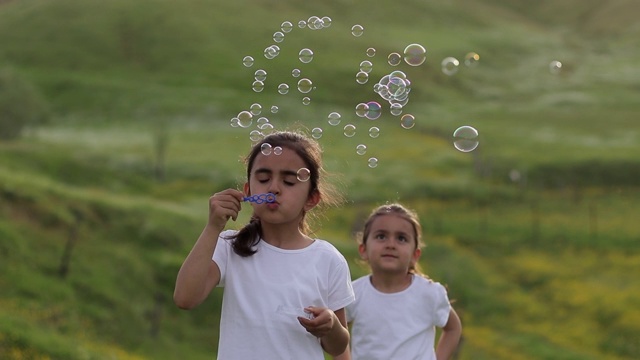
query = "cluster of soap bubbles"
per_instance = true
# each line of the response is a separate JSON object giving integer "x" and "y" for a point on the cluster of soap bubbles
{"x": 392, "y": 90}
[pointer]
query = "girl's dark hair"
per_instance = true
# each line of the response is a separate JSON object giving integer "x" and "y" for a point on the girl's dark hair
{"x": 403, "y": 212}
{"x": 310, "y": 152}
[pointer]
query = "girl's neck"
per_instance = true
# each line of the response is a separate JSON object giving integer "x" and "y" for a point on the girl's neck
{"x": 285, "y": 237}
{"x": 390, "y": 283}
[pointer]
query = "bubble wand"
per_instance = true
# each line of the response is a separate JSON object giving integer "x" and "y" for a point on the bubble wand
{"x": 260, "y": 198}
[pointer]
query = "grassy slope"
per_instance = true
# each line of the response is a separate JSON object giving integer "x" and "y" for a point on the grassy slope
{"x": 532, "y": 276}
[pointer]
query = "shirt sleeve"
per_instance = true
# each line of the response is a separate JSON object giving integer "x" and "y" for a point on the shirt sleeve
{"x": 442, "y": 306}
{"x": 340, "y": 289}
{"x": 221, "y": 254}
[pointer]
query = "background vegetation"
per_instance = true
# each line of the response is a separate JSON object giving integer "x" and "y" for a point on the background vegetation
{"x": 124, "y": 110}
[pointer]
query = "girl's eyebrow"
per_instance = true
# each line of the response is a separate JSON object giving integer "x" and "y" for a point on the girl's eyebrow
{"x": 269, "y": 171}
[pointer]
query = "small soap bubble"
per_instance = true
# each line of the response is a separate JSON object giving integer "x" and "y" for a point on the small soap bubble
{"x": 415, "y": 54}
{"x": 302, "y": 24}
{"x": 334, "y": 118}
{"x": 357, "y": 30}
{"x": 296, "y": 73}
{"x": 450, "y": 65}
{"x": 247, "y": 61}
{"x": 349, "y": 130}
{"x": 283, "y": 88}
{"x": 361, "y": 109}
{"x": 255, "y": 135}
{"x": 245, "y": 119}
{"x": 257, "y": 86}
{"x": 270, "y": 52}
{"x": 374, "y": 132}
{"x": 362, "y": 77}
{"x": 471, "y": 59}
{"x": 313, "y": 22}
{"x": 326, "y": 21}
{"x": 286, "y": 27}
{"x": 265, "y": 149}
{"x": 407, "y": 121}
{"x": 255, "y": 109}
{"x": 394, "y": 59}
{"x": 277, "y": 150}
{"x": 316, "y": 133}
{"x": 306, "y": 100}
{"x": 465, "y": 138}
{"x": 305, "y": 85}
{"x": 261, "y": 121}
{"x": 371, "y": 52}
{"x": 373, "y": 110}
{"x": 303, "y": 174}
{"x": 274, "y": 109}
{"x": 260, "y": 75}
{"x": 266, "y": 129}
{"x": 366, "y": 66}
{"x": 278, "y": 36}
{"x": 235, "y": 122}
{"x": 395, "y": 109}
{"x": 372, "y": 162}
{"x": 361, "y": 149}
{"x": 305, "y": 55}
{"x": 555, "y": 67}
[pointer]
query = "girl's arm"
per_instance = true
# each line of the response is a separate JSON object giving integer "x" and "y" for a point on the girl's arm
{"x": 330, "y": 327}
{"x": 450, "y": 337}
{"x": 346, "y": 355}
{"x": 199, "y": 274}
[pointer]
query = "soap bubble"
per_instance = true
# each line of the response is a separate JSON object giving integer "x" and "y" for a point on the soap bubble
{"x": 407, "y": 121}
{"x": 265, "y": 149}
{"x": 274, "y": 109}
{"x": 357, "y": 30}
{"x": 255, "y": 135}
{"x": 374, "y": 132}
{"x": 245, "y": 119}
{"x": 394, "y": 59}
{"x": 306, "y": 100}
{"x": 361, "y": 109}
{"x": 278, "y": 36}
{"x": 362, "y": 77}
{"x": 257, "y": 86}
{"x": 303, "y": 174}
{"x": 361, "y": 149}
{"x": 465, "y": 138}
{"x": 305, "y": 85}
{"x": 270, "y": 52}
{"x": 247, "y": 61}
{"x": 295, "y": 73}
{"x": 395, "y": 109}
{"x": 373, "y": 110}
{"x": 286, "y": 27}
{"x": 349, "y": 130}
{"x": 334, "y": 118}
{"x": 371, "y": 52}
{"x": 471, "y": 59}
{"x": 316, "y": 133}
{"x": 450, "y": 65}
{"x": 554, "y": 67}
{"x": 255, "y": 109}
{"x": 260, "y": 75}
{"x": 372, "y": 162}
{"x": 415, "y": 54}
{"x": 305, "y": 55}
{"x": 366, "y": 66}
{"x": 277, "y": 150}
{"x": 283, "y": 88}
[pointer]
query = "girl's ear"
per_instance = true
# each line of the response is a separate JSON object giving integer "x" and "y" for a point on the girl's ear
{"x": 246, "y": 189}
{"x": 312, "y": 200}
{"x": 416, "y": 256}
{"x": 362, "y": 249}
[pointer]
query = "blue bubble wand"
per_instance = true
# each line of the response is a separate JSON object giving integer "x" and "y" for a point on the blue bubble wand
{"x": 260, "y": 198}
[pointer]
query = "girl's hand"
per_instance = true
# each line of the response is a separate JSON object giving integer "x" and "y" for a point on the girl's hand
{"x": 223, "y": 206}
{"x": 322, "y": 322}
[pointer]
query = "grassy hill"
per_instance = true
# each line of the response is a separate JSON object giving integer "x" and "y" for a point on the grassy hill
{"x": 534, "y": 232}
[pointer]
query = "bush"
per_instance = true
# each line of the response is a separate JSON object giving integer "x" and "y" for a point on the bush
{"x": 21, "y": 105}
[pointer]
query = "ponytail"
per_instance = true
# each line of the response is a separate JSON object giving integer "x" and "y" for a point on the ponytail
{"x": 244, "y": 241}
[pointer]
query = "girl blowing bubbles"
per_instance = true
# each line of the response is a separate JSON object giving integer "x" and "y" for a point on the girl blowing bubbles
{"x": 285, "y": 292}
{"x": 396, "y": 309}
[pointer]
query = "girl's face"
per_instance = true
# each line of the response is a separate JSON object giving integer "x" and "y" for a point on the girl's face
{"x": 277, "y": 174}
{"x": 391, "y": 246}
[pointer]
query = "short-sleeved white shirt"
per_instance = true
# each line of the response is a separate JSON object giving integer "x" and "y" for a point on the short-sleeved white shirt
{"x": 266, "y": 292}
{"x": 397, "y": 326}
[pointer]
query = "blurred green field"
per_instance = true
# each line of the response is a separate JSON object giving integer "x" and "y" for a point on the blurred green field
{"x": 534, "y": 233}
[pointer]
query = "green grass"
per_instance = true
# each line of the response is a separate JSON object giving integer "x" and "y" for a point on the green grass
{"x": 541, "y": 267}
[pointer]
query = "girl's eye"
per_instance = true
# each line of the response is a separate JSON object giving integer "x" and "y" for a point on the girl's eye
{"x": 403, "y": 239}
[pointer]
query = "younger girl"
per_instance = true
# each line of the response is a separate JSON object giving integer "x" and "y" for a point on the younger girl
{"x": 285, "y": 292}
{"x": 396, "y": 309}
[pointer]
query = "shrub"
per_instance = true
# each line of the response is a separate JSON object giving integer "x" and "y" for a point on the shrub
{"x": 21, "y": 105}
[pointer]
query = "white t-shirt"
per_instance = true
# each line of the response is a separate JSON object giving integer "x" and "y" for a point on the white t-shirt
{"x": 397, "y": 326}
{"x": 266, "y": 292}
